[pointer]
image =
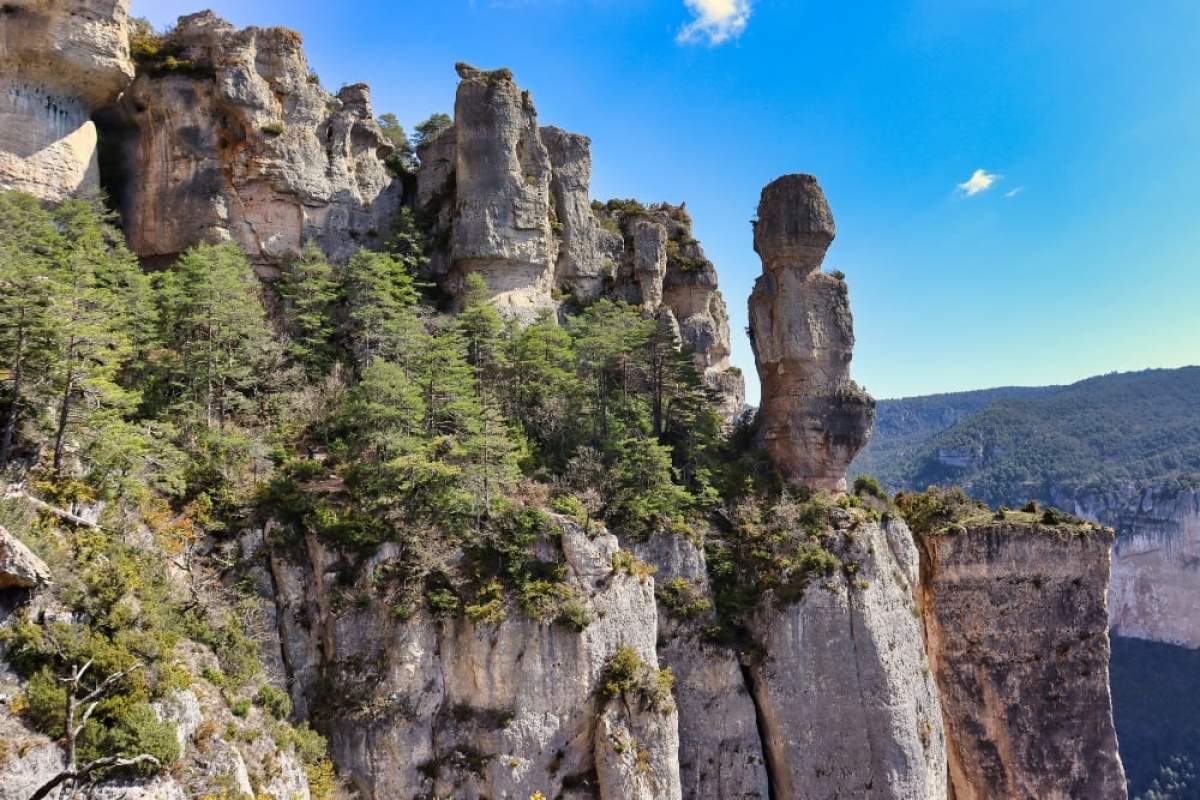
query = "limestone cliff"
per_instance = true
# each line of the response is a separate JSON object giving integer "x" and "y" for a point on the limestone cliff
{"x": 848, "y": 704}
{"x": 1016, "y": 625}
{"x": 1153, "y": 593}
{"x": 59, "y": 62}
{"x": 508, "y": 200}
{"x": 425, "y": 706}
{"x": 230, "y": 136}
{"x": 813, "y": 418}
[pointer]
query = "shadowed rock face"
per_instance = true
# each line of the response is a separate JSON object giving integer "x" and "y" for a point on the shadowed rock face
{"x": 59, "y": 62}
{"x": 502, "y": 218}
{"x": 245, "y": 145}
{"x": 814, "y": 419}
{"x": 1016, "y": 627}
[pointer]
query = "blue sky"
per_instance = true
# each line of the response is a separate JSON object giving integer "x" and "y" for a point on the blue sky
{"x": 1079, "y": 122}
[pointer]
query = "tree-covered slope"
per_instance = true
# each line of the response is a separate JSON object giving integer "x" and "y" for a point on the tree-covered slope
{"x": 1103, "y": 432}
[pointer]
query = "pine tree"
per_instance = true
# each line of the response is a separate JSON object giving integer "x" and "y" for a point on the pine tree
{"x": 379, "y": 298}
{"x": 216, "y": 329}
{"x": 542, "y": 387}
{"x": 308, "y": 292}
{"x": 29, "y": 242}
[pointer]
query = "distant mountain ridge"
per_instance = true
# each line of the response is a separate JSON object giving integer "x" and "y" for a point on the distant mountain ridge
{"x": 1007, "y": 445}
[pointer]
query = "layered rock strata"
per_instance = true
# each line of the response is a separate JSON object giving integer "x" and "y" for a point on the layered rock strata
{"x": 429, "y": 707}
{"x": 232, "y": 137}
{"x": 59, "y": 62}
{"x": 814, "y": 419}
{"x": 1016, "y": 624}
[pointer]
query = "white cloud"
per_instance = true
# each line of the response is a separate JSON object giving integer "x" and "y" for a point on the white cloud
{"x": 716, "y": 21}
{"x": 980, "y": 181}
{"x": 1014, "y": 192}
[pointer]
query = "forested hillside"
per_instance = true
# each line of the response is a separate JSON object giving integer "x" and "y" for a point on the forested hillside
{"x": 1008, "y": 445}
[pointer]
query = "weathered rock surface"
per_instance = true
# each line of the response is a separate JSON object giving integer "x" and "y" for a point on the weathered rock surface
{"x": 459, "y": 709}
{"x": 502, "y": 215}
{"x": 243, "y": 144}
{"x": 1154, "y": 592}
{"x": 845, "y": 694}
{"x": 720, "y": 749}
{"x": 19, "y": 567}
{"x": 510, "y": 202}
{"x": 1017, "y": 631}
{"x": 59, "y": 62}
{"x": 814, "y": 418}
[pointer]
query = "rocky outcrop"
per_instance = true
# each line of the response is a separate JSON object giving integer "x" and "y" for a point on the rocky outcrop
{"x": 19, "y": 567}
{"x": 501, "y": 224}
{"x": 509, "y": 200}
{"x": 1016, "y": 625}
{"x": 450, "y": 707}
{"x": 1154, "y": 592}
{"x": 584, "y": 245}
{"x": 844, "y": 691}
{"x": 813, "y": 418}
{"x": 59, "y": 62}
{"x": 232, "y": 137}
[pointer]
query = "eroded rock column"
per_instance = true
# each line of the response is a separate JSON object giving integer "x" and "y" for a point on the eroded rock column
{"x": 60, "y": 61}
{"x": 502, "y": 221}
{"x": 814, "y": 418}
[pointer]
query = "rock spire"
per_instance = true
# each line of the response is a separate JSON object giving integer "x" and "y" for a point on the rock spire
{"x": 814, "y": 419}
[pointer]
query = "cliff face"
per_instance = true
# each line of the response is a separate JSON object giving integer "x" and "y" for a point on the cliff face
{"x": 1016, "y": 625}
{"x": 424, "y": 707}
{"x": 814, "y": 418}
{"x": 848, "y": 703}
{"x": 1153, "y": 592}
{"x": 232, "y": 138}
{"x": 59, "y": 62}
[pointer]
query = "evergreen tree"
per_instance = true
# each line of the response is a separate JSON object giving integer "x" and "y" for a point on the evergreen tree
{"x": 431, "y": 128}
{"x": 404, "y": 154}
{"x": 609, "y": 338}
{"x": 542, "y": 386}
{"x": 378, "y": 299}
{"x": 308, "y": 291}
{"x": 216, "y": 329}
{"x": 646, "y": 488}
{"x": 29, "y": 242}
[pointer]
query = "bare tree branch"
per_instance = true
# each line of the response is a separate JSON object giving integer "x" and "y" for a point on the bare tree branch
{"x": 108, "y": 762}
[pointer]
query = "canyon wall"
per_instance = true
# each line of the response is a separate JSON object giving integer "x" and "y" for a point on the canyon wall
{"x": 1155, "y": 588}
{"x": 59, "y": 62}
{"x": 1016, "y": 623}
{"x": 420, "y": 706}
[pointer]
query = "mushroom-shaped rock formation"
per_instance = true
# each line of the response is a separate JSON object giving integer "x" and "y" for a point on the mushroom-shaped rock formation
{"x": 813, "y": 418}
{"x": 59, "y": 62}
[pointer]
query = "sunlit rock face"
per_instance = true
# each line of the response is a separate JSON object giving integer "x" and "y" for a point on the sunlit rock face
{"x": 59, "y": 62}
{"x": 508, "y": 200}
{"x": 243, "y": 143}
{"x": 1016, "y": 627}
{"x": 814, "y": 418}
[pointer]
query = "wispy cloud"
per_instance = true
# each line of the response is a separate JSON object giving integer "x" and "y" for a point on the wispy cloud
{"x": 716, "y": 21}
{"x": 1011, "y": 193}
{"x": 980, "y": 181}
